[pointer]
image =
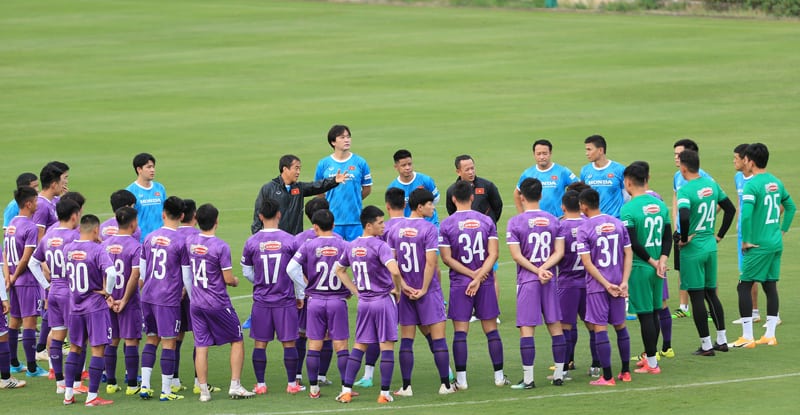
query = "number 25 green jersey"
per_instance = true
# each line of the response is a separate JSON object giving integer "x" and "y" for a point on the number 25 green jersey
{"x": 762, "y": 198}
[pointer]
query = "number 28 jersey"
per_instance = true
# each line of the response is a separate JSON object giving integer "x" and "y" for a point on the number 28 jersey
{"x": 467, "y": 234}
{"x": 535, "y": 231}
{"x": 603, "y": 237}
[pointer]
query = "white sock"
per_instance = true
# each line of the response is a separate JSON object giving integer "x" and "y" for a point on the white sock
{"x": 557, "y": 374}
{"x": 76, "y": 384}
{"x": 91, "y": 396}
{"x": 706, "y": 343}
{"x": 385, "y": 393}
{"x": 772, "y": 322}
{"x": 345, "y": 389}
{"x": 204, "y": 388}
{"x": 293, "y": 384}
{"x": 68, "y": 393}
{"x": 684, "y": 307}
{"x": 722, "y": 337}
{"x": 235, "y": 384}
{"x": 652, "y": 361}
{"x": 50, "y": 363}
{"x": 166, "y": 382}
{"x": 61, "y": 383}
{"x": 146, "y": 373}
{"x": 176, "y": 381}
{"x": 265, "y": 385}
{"x": 755, "y": 312}
{"x": 197, "y": 383}
{"x": 369, "y": 371}
{"x": 322, "y": 378}
{"x": 747, "y": 328}
{"x": 461, "y": 378}
{"x": 498, "y": 376}
{"x": 527, "y": 374}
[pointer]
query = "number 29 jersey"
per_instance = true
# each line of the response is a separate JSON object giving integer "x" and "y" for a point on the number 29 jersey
{"x": 603, "y": 237}
{"x": 467, "y": 234}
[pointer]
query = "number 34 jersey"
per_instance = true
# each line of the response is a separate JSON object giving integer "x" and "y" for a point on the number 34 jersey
{"x": 467, "y": 234}
{"x": 604, "y": 238}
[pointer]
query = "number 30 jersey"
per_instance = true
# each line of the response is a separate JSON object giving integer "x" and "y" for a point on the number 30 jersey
{"x": 604, "y": 238}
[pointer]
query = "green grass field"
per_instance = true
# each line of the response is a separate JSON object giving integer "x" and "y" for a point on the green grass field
{"x": 218, "y": 91}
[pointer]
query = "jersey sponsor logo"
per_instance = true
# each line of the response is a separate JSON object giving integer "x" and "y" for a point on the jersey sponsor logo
{"x": 469, "y": 224}
{"x": 55, "y": 242}
{"x": 11, "y": 231}
{"x": 270, "y": 246}
{"x": 109, "y": 231}
{"x": 771, "y": 187}
{"x": 705, "y": 192}
{"x": 599, "y": 182}
{"x": 480, "y": 191}
{"x": 196, "y": 249}
{"x": 115, "y": 249}
{"x": 359, "y": 251}
{"x": 327, "y": 251}
{"x": 161, "y": 241}
{"x": 76, "y": 255}
{"x": 150, "y": 201}
{"x": 606, "y": 227}
{"x": 652, "y": 209}
{"x": 295, "y": 191}
{"x": 408, "y": 232}
{"x": 538, "y": 222}
{"x": 549, "y": 183}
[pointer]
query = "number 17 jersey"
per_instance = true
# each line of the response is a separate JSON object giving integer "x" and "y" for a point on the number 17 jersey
{"x": 268, "y": 251}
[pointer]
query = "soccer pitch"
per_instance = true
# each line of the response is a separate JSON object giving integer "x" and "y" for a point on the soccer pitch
{"x": 218, "y": 91}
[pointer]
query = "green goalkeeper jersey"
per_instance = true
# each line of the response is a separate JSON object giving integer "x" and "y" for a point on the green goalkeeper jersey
{"x": 647, "y": 215}
{"x": 701, "y": 196}
{"x": 762, "y": 198}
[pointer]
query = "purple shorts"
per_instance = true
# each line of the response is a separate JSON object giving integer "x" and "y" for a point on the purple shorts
{"x": 26, "y": 301}
{"x": 484, "y": 303}
{"x": 573, "y": 304}
{"x": 327, "y": 316}
{"x": 376, "y": 320}
{"x": 603, "y": 309}
{"x": 302, "y": 316}
{"x": 161, "y": 320}
{"x": 58, "y": 308}
{"x": 535, "y": 299}
{"x": 93, "y": 327}
{"x": 215, "y": 327}
{"x": 186, "y": 321}
{"x": 128, "y": 323}
{"x": 426, "y": 311}
{"x": 267, "y": 323}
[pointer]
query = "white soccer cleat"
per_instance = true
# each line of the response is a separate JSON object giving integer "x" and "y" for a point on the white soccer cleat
{"x": 240, "y": 393}
{"x": 404, "y": 392}
{"x": 444, "y": 390}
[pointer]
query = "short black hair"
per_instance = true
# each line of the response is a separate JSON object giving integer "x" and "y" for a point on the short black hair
{"x": 531, "y": 189}
{"x": 419, "y": 196}
{"x": 269, "y": 208}
{"x": 542, "y": 142}
{"x": 758, "y": 153}
{"x": 286, "y": 162}
{"x": 189, "y": 210}
{"x": 173, "y": 207}
{"x": 462, "y": 191}
{"x": 77, "y": 197}
{"x": 637, "y": 173}
{"x": 740, "y": 149}
{"x": 207, "y": 216}
{"x": 336, "y": 131}
{"x": 370, "y": 214}
{"x": 120, "y": 198}
{"x": 461, "y": 158}
{"x": 395, "y": 197}
{"x": 401, "y": 154}
{"x": 315, "y": 204}
{"x": 51, "y": 173}
{"x": 24, "y": 194}
{"x": 141, "y": 159}
{"x": 596, "y": 140}
{"x": 578, "y": 186}
{"x": 570, "y": 201}
{"x": 65, "y": 208}
{"x": 687, "y": 144}
{"x": 125, "y": 215}
{"x": 25, "y": 179}
{"x": 89, "y": 222}
{"x": 323, "y": 218}
{"x": 690, "y": 159}
{"x": 590, "y": 198}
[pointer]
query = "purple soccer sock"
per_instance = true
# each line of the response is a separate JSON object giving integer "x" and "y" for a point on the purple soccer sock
{"x": 176, "y": 374}
{"x": 569, "y": 347}
{"x": 167, "y": 361}
{"x": 56, "y": 358}
{"x": 603, "y": 346}
{"x": 13, "y": 344}
{"x": 430, "y": 342}
{"x": 387, "y": 367}
{"x": 325, "y": 357}
{"x": 290, "y": 361}
{"x": 353, "y": 366}
{"x": 460, "y": 350}
{"x": 149, "y": 355}
{"x": 132, "y": 364}
{"x": 624, "y": 347}
{"x": 442, "y": 358}
{"x": 373, "y": 351}
{"x": 593, "y": 349}
{"x": 260, "y": 363}
{"x": 312, "y": 366}
{"x": 495, "y": 349}
{"x": 665, "y": 318}
{"x": 406, "y": 361}
{"x": 300, "y": 345}
{"x": 5, "y": 361}
{"x": 572, "y": 342}
{"x": 72, "y": 367}
{"x": 559, "y": 349}
{"x": 44, "y": 331}
{"x": 341, "y": 361}
{"x": 95, "y": 373}
{"x": 81, "y": 363}
{"x": 527, "y": 350}
{"x": 110, "y": 360}
{"x": 29, "y": 346}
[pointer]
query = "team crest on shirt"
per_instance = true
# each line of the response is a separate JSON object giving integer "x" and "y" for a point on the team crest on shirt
{"x": 110, "y": 230}
{"x": 295, "y": 191}
{"x": 351, "y": 168}
{"x": 652, "y": 209}
{"x": 480, "y": 191}
{"x": 359, "y": 251}
{"x": 198, "y": 249}
{"x": 115, "y": 249}
{"x": 610, "y": 175}
{"x": 538, "y": 222}
{"x": 76, "y": 256}
{"x": 554, "y": 178}
{"x": 55, "y": 242}
{"x": 326, "y": 251}
{"x": 270, "y": 246}
{"x": 408, "y": 232}
{"x": 705, "y": 192}
{"x": 771, "y": 187}
{"x": 161, "y": 241}
{"x": 158, "y": 194}
{"x": 469, "y": 224}
{"x": 11, "y": 230}
{"x": 607, "y": 227}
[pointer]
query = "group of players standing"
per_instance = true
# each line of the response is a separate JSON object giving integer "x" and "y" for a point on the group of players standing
{"x": 584, "y": 246}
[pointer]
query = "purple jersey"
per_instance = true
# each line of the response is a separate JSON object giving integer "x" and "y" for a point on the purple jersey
{"x": 124, "y": 251}
{"x": 188, "y": 231}
{"x": 86, "y": 267}
{"x": 164, "y": 253}
{"x": 389, "y": 226}
{"x": 209, "y": 256}
{"x": 467, "y": 234}
{"x": 571, "y": 273}
{"x": 45, "y": 215}
{"x": 317, "y": 257}
{"x": 411, "y": 239}
{"x": 21, "y": 233}
{"x": 51, "y": 251}
{"x": 110, "y": 228}
{"x": 269, "y": 251}
{"x": 535, "y": 231}
{"x": 603, "y": 237}
{"x": 367, "y": 256}
{"x": 306, "y": 235}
